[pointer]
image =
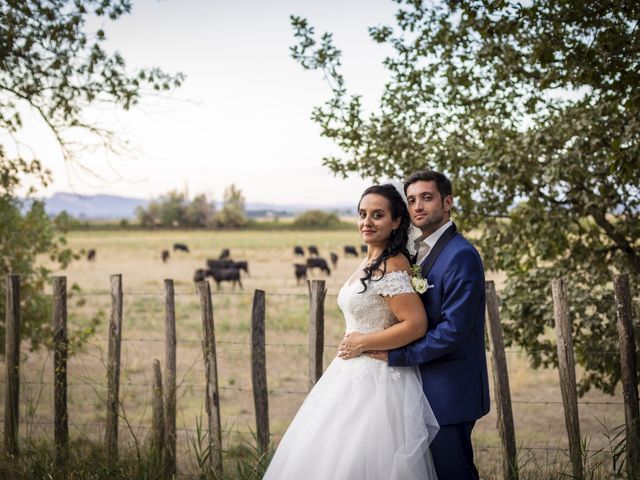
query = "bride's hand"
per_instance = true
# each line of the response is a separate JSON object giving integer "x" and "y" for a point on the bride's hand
{"x": 382, "y": 355}
{"x": 351, "y": 346}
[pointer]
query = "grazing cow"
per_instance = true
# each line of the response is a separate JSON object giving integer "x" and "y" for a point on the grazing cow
{"x": 180, "y": 246}
{"x": 300, "y": 271}
{"x": 320, "y": 263}
{"x": 297, "y": 250}
{"x": 313, "y": 250}
{"x": 363, "y": 249}
{"x": 226, "y": 275}
{"x": 201, "y": 274}
{"x": 334, "y": 259}
{"x": 225, "y": 254}
{"x": 217, "y": 264}
{"x": 350, "y": 250}
{"x": 165, "y": 256}
{"x": 91, "y": 255}
{"x": 241, "y": 265}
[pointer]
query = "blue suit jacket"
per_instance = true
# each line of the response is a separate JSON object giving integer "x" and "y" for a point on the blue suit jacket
{"x": 451, "y": 356}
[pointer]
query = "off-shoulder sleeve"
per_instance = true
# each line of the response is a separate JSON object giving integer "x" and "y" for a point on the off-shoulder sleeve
{"x": 392, "y": 283}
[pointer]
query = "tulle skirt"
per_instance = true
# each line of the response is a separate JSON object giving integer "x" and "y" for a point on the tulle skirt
{"x": 362, "y": 420}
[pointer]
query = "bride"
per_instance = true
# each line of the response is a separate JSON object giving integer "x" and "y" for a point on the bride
{"x": 364, "y": 419}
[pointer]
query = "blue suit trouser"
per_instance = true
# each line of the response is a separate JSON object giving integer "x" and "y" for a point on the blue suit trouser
{"x": 452, "y": 452}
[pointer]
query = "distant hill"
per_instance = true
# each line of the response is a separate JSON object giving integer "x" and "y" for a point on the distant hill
{"x": 109, "y": 207}
{"x": 93, "y": 207}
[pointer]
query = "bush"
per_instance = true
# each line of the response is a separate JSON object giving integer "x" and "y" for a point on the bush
{"x": 313, "y": 219}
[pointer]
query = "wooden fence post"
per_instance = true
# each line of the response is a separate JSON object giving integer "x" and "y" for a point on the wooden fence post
{"x": 113, "y": 369}
{"x": 317, "y": 292}
{"x": 212, "y": 401}
{"x": 12, "y": 358}
{"x": 157, "y": 413}
{"x": 629, "y": 373}
{"x": 259, "y": 370}
{"x": 170, "y": 381}
{"x": 61, "y": 346}
{"x": 567, "y": 370}
{"x": 501, "y": 386}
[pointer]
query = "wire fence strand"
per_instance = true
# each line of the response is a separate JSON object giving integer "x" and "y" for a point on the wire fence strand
{"x": 283, "y": 392}
{"x": 129, "y": 427}
{"x": 304, "y": 345}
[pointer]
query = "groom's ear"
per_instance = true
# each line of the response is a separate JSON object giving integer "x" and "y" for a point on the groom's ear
{"x": 447, "y": 203}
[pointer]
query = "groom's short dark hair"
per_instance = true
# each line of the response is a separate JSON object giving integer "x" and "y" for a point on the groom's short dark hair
{"x": 443, "y": 184}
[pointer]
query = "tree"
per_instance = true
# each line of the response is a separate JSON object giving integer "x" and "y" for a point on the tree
{"x": 232, "y": 214}
{"x": 174, "y": 210}
{"x": 26, "y": 232}
{"x": 51, "y": 66}
{"x": 233, "y": 197}
{"x": 532, "y": 109}
{"x": 149, "y": 216}
{"x": 201, "y": 213}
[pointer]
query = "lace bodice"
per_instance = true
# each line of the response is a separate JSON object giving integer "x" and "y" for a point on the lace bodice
{"x": 368, "y": 312}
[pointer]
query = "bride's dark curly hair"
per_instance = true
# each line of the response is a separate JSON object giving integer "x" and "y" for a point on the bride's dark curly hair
{"x": 397, "y": 240}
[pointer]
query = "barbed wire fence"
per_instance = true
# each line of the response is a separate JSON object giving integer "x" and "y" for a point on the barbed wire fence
{"x": 315, "y": 350}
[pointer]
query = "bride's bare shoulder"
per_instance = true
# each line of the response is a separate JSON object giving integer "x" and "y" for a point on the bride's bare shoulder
{"x": 398, "y": 263}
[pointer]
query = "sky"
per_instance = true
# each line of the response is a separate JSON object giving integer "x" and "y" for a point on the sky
{"x": 242, "y": 116}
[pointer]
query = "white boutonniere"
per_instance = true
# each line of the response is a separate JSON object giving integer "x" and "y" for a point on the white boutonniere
{"x": 418, "y": 282}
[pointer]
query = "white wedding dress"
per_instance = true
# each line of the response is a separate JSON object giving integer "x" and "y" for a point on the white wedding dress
{"x": 363, "y": 420}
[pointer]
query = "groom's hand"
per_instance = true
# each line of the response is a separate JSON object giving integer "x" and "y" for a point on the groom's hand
{"x": 378, "y": 355}
{"x": 350, "y": 347}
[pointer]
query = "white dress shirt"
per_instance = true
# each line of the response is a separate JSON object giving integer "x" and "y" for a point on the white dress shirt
{"x": 424, "y": 245}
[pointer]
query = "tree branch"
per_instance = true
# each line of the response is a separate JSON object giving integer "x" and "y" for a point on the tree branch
{"x": 621, "y": 242}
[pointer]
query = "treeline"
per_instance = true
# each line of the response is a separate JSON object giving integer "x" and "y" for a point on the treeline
{"x": 175, "y": 210}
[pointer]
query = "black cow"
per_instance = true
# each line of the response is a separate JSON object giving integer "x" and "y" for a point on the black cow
{"x": 334, "y": 259}
{"x": 225, "y": 254}
{"x": 180, "y": 246}
{"x": 363, "y": 249}
{"x": 313, "y": 250}
{"x": 213, "y": 264}
{"x": 226, "y": 275}
{"x": 300, "y": 271}
{"x": 165, "y": 256}
{"x": 91, "y": 255}
{"x": 297, "y": 250}
{"x": 320, "y": 263}
{"x": 201, "y": 274}
{"x": 241, "y": 265}
{"x": 350, "y": 250}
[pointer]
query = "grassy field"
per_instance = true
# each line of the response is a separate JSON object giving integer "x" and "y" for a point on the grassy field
{"x": 136, "y": 255}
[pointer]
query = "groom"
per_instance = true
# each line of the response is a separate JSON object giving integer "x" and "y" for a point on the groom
{"x": 451, "y": 356}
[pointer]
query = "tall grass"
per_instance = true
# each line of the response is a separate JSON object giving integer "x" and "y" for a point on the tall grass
{"x": 243, "y": 461}
{"x": 87, "y": 460}
{"x": 605, "y": 463}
